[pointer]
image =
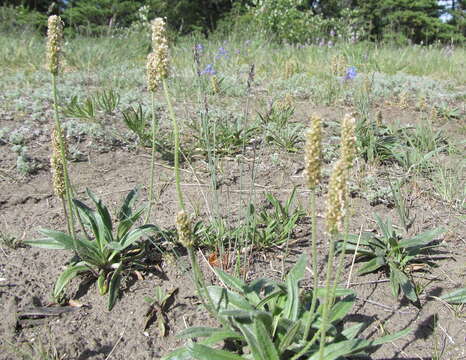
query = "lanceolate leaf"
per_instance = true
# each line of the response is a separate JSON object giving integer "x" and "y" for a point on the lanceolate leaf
{"x": 196, "y": 332}
{"x": 89, "y": 216}
{"x": 114, "y": 288}
{"x": 421, "y": 239}
{"x": 231, "y": 281}
{"x": 404, "y": 282}
{"x": 202, "y": 352}
{"x": 341, "y": 308}
{"x": 353, "y": 331}
{"x": 126, "y": 207}
{"x": 266, "y": 345}
{"x": 70, "y": 272}
{"x": 455, "y": 297}
{"x": 252, "y": 341}
{"x": 292, "y": 281}
{"x": 55, "y": 240}
{"x": 228, "y": 300}
{"x": 289, "y": 337}
{"x": 391, "y": 337}
{"x": 343, "y": 348}
{"x": 101, "y": 210}
{"x": 127, "y": 223}
{"x": 135, "y": 234}
{"x": 372, "y": 265}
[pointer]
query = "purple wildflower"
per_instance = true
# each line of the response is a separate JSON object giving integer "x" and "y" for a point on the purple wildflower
{"x": 199, "y": 48}
{"x": 221, "y": 52}
{"x": 350, "y": 73}
{"x": 209, "y": 70}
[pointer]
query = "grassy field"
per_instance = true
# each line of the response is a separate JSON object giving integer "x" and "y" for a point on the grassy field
{"x": 243, "y": 107}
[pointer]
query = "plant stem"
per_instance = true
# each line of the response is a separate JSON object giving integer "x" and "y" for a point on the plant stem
{"x": 152, "y": 163}
{"x": 69, "y": 216}
{"x": 200, "y": 284}
{"x": 315, "y": 281}
{"x": 328, "y": 296}
{"x": 176, "y": 133}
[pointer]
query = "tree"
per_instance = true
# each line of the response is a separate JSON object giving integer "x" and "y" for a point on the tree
{"x": 417, "y": 20}
{"x": 97, "y": 16}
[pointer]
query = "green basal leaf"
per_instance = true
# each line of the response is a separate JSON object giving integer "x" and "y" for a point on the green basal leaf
{"x": 114, "y": 288}
{"x": 135, "y": 234}
{"x": 269, "y": 297}
{"x": 455, "y": 297}
{"x": 231, "y": 281}
{"x": 88, "y": 215}
{"x": 391, "y": 337}
{"x": 55, "y": 240}
{"x": 351, "y": 248}
{"x": 116, "y": 246}
{"x": 372, "y": 265}
{"x": 290, "y": 336}
{"x": 102, "y": 211}
{"x": 126, "y": 224}
{"x": 321, "y": 292}
{"x": 90, "y": 252}
{"x": 343, "y": 348}
{"x": 266, "y": 345}
{"x": 183, "y": 354}
{"x": 353, "y": 331}
{"x": 126, "y": 208}
{"x": 228, "y": 300}
{"x": 102, "y": 284}
{"x": 421, "y": 239}
{"x": 291, "y": 309}
{"x": 384, "y": 228}
{"x": 47, "y": 244}
{"x": 342, "y": 308}
{"x": 69, "y": 273}
{"x": 405, "y": 284}
{"x": 394, "y": 283}
{"x": 202, "y": 352}
{"x": 252, "y": 341}
{"x": 196, "y": 332}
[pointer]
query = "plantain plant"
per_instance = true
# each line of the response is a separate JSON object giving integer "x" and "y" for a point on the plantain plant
{"x": 108, "y": 253}
{"x": 268, "y": 320}
{"x": 391, "y": 252}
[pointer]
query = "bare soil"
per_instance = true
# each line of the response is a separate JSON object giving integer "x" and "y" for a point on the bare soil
{"x": 92, "y": 332}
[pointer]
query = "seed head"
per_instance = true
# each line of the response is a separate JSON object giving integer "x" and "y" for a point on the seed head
{"x": 338, "y": 65}
{"x": 56, "y": 163}
{"x": 215, "y": 84}
{"x": 379, "y": 119}
{"x": 151, "y": 70}
{"x": 313, "y": 152}
{"x": 336, "y": 197}
{"x": 160, "y": 46}
{"x": 348, "y": 140}
{"x": 183, "y": 227}
{"x": 54, "y": 41}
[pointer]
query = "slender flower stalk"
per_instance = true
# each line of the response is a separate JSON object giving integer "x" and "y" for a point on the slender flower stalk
{"x": 54, "y": 42}
{"x": 185, "y": 237}
{"x": 313, "y": 163}
{"x": 336, "y": 209}
{"x": 176, "y": 134}
{"x": 157, "y": 71}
